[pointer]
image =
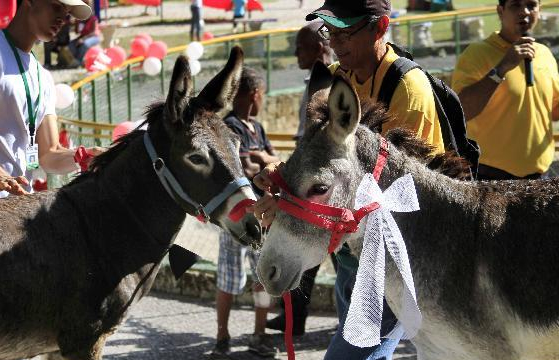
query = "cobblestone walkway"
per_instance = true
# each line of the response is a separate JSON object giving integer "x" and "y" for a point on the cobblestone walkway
{"x": 171, "y": 327}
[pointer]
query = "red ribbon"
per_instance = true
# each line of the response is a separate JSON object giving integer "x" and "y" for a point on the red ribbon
{"x": 83, "y": 157}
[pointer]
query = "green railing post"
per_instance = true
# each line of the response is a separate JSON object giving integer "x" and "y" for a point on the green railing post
{"x": 410, "y": 38}
{"x": 80, "y": 111}
{"x": 227, "y": 47}
{"x": 93, "y": 101}
{"x": 456, "y": 35}
{"x": 94, "y": 108}
{"x": 80, "y": 103}
{"x": 129, "y": 90}
{"x": 268, "y": 63}
{"x": 109, "y": 98}
{"x": 162, "y": 76}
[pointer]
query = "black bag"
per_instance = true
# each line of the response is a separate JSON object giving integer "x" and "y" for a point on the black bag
{"x": 449, "y": 109}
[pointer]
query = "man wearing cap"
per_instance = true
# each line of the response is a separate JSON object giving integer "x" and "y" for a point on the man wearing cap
{"x": 28, "y": 128}
{"x": 356, "y": 29}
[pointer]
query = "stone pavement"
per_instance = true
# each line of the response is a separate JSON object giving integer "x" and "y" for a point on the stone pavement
{"x": 167, "y": 327}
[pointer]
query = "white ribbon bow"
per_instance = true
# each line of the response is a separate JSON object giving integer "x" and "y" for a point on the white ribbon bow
{"x": 363, "y": 322}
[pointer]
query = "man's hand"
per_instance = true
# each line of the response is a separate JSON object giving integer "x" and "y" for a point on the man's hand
{"x": 13, "y": 185}
{"x": 263, "y": 181}
{"x": 266, "y": 207}
{"x": 520, "y": 50}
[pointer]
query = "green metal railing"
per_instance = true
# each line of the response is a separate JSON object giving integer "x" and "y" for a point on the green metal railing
{"x": 120, "y": 94}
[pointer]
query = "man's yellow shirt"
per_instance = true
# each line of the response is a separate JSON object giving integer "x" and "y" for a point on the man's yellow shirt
{"x": 412, "y": 105}
{"x": 514, "y": 130}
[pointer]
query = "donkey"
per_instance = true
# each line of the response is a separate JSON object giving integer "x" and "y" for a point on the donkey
{"x": 73, "y": 261}
{"x": 483, "y": 254}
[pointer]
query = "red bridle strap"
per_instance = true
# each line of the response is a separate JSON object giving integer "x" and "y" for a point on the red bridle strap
{"x": 317, "y": 213}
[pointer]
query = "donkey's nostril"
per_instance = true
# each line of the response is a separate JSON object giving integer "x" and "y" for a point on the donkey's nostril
{"x": 253, "y": 230}
{"x": 274, "y": 273}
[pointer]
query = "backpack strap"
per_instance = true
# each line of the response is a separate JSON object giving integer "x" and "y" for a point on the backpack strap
{"x": 397, "y": 70}
{"x": 392, "y": 78}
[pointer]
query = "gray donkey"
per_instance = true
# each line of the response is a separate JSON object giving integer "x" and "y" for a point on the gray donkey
{"x": 484, "y": 255}
{"x": 73, "y": 261}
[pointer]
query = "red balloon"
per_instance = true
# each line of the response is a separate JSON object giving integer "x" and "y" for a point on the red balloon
{"x": 207, "y": 35}
{"x": 7, "y": 12}
{"x": 122, "y": 129}
{"x": 92, "y": 52}
{"x": 117, "y": 55}
{"x": 145, "y": 36}
{"x": 157, "y": 49}
{"x": 139, "y": 47}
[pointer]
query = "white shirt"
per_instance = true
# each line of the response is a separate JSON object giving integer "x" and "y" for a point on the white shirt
{"x": 14, "y": 130}
{"x": 197, "y": 3}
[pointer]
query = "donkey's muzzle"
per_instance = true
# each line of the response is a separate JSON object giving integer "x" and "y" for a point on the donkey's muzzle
{"x": 252, "y": 231}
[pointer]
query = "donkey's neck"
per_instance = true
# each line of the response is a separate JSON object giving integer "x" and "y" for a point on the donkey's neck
{"x": 133, "y": 184}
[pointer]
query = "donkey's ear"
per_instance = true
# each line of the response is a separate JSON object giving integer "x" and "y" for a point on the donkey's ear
{"x": 321, "y": 78}
{"x": 221, "y": 90}
{"x": 179, "y": 91}
{"x": 344, "y": 109}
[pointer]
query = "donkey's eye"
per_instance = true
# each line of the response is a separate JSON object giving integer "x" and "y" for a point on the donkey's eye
{"x": 318, "y": 189}
{"x": 197, "y": 159}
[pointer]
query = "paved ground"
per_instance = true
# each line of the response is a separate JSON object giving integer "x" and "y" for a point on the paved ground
{"x": 170, "y": 327}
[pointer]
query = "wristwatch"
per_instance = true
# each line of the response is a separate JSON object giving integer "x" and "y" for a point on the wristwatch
{"x": 494, "y": 75}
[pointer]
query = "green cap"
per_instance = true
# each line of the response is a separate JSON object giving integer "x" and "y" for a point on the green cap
{"x": 340, "y": 22}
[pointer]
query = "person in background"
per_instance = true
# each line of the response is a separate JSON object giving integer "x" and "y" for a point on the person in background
{"x": 255, "y": 153}
{"x": 239, "y": 11}
{"x": 28, "y": 124}
{"x": 89, "y": 35}
{"x": 196, "y": 21}
{"x": 511, "y": 121}
{"x": 309, "y": 48}
{"x": 59, "y": 45}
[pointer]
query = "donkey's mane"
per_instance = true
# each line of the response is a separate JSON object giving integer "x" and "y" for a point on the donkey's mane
{"x": 373, "y": 116}
{"x": 152, "y": 113}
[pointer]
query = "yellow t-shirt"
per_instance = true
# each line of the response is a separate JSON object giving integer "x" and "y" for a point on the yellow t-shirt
{"x": 413, "y": 102}
{"x": 514, "y": 129}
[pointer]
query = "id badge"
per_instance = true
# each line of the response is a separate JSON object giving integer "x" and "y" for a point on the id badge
{"x": 32, "y": 157}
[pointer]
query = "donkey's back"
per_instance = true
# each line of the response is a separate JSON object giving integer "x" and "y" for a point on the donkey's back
{"x": 496, "y": 296}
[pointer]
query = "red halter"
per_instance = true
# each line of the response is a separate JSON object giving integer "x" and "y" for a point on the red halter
{"x": 315, "y": 213}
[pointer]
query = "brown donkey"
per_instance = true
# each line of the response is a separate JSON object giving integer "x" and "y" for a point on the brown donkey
{"x": 73, "y": 261}
{"x": 484, "y": 255}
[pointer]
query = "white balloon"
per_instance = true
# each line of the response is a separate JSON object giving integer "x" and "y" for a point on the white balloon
{"x": 64, "y": 96}
{"x": 195, "y": 67}
{"x": 194, "y": 50}
{"x": 152, "y": 66}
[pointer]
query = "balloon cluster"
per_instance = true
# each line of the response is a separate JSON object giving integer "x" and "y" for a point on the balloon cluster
{"x": 152, "y": 51}
{"x": 193, "y": 52}
{"x": 97, "y": 59}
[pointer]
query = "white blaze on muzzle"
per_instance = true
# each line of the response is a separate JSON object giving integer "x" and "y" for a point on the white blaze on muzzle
{"x": 363, "y": 322}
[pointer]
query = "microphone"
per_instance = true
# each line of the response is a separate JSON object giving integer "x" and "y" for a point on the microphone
{"x": 7, "y": 12}
{"x": 528, "y": 69}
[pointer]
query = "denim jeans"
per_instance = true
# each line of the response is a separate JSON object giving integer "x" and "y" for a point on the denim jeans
{"x": 341, "y": 349}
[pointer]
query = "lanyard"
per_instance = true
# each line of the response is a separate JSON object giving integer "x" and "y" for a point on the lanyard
{"x": 32, "y": 108}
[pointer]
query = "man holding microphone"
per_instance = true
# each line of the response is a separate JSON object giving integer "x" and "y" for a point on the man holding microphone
{"x": 509, "y": 87}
